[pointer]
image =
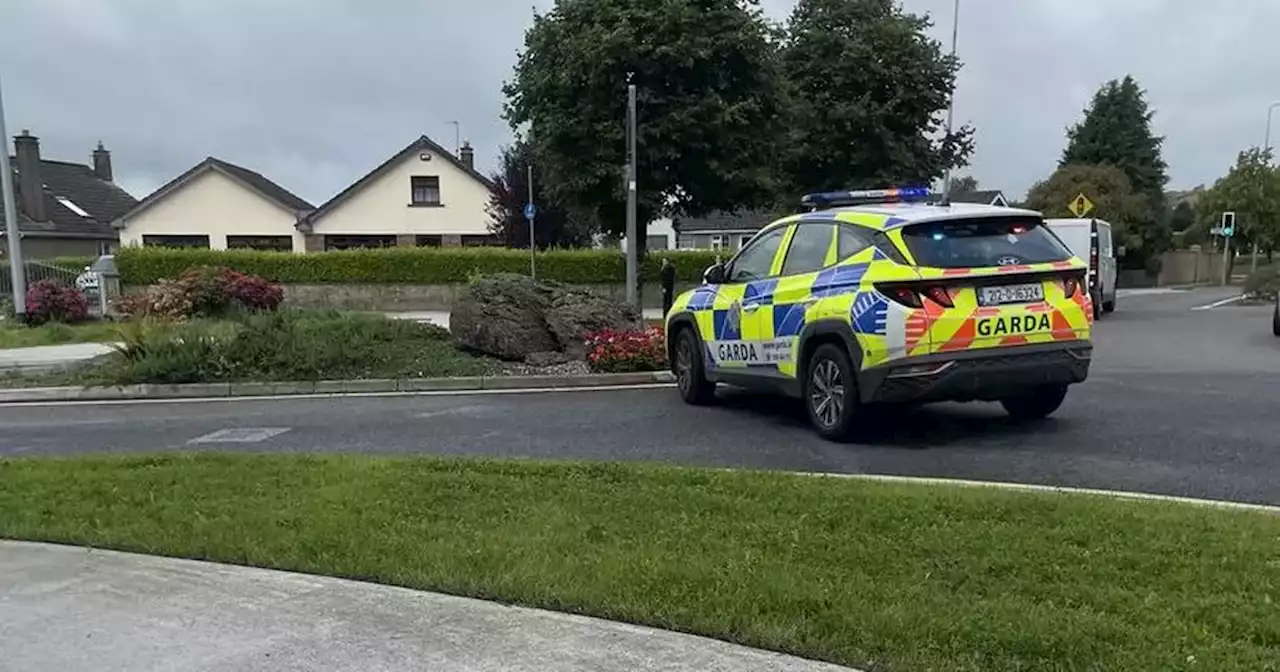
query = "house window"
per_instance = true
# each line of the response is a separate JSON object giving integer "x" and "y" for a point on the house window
{"x": 429, "y": 241}
{"x": 684, "y": 242}
{"x": 717, "y": 242}
{"x": 425, "y": 190}
{"x": 479, "y": 241}
{"x": 176, "y": 241}
{"x": 357, "y": 242}
{"x": 263, "y": 243}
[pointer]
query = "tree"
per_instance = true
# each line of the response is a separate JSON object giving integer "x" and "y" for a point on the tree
{"x": 964, "y": 185}
{"x": 708, "y": 104}
{"x": 867, "y": 91}
{"x": 1182, "y": 223}
{"x": 1116, "y": 130}
{"x": 554, "y": 225}
{"x": 1251, "y": 189}
{"x": 1106, "y": 186}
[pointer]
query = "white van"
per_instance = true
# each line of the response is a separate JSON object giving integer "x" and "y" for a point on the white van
{"x": 1090, "y": 239}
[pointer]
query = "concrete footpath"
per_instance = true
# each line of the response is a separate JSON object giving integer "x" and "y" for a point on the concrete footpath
{"x": 78, "y": 610}
{"x": 441, "y": 317}
{"x": 46, "y": 358}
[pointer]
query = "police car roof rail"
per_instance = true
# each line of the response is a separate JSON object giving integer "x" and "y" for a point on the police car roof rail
{"x": 835, "y": 199}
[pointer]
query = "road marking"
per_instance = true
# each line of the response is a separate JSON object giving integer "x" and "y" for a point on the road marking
{"x": 1146, "y": 291}
{"x": 1223, "y": 302}
{"x": 240, "y": 435}
{"x": 1059, "y": 489}
{"x": 336, "y": 395}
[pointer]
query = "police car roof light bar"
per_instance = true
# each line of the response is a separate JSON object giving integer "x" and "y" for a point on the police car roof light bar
{"x": 831, "y": 199}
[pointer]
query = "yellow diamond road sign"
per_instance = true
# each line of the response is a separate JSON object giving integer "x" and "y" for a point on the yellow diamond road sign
{"x": 1080, "y": 205}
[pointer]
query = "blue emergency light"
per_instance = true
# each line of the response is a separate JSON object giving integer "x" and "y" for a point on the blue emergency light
{"x": 830, "y": 199}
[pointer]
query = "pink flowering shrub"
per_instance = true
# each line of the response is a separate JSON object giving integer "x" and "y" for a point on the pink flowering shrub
{"x": 611, "y": 351}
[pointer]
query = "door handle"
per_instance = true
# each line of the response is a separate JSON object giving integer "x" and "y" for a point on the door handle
{"x": 751, "y": 307}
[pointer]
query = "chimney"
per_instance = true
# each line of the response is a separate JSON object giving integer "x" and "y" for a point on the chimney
{"x": 102, "y": 163}
{"x": 467, "y": 155}
{"x": 30, "y": 182}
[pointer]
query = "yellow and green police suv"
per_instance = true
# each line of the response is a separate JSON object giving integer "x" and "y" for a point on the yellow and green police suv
{"x": 881, "y": 297}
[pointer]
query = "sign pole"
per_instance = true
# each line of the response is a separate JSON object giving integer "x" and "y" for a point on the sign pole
{"x": 530, "y": 211}
{"x": 17, "y": 269}
{"x": 1228, "y": 230}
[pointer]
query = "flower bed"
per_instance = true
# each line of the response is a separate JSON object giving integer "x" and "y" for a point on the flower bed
{"x": 627, "y": 351}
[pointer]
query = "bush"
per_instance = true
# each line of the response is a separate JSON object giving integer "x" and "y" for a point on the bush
{"x": 287, "y": 345}
{"x": 55, "y": 301}
{"x": 147, "y": 265}
{"x": 203, "y": 291}
{"x": 1263, "y": 284}
{"x": 626, "y": 351}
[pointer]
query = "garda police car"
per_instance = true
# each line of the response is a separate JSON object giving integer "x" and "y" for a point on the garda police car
{"x": 880, "y": 297}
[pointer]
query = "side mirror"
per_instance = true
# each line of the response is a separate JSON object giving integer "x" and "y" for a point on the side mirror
{"x": 714, "y": 274}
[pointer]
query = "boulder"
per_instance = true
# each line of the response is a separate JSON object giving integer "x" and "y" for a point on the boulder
{"x": 503, "y": 316}
{"x": 545, "y": 359}
{"x": 574, "y": 312}
{"x": 515, "y": 318}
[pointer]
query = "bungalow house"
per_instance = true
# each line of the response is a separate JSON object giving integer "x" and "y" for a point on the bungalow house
{"x": 983, "y": 197}
{"x": 422, "y": 195}
{"x": 217, "y": 205}
{"x": 721, "y": 230}
{"x": 64, "y": 209}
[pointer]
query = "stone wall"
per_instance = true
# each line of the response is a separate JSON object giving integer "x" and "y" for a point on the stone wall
{"x": 404, "y": 298}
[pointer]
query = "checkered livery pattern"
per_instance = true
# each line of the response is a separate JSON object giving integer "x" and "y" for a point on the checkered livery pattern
{"x": 777, "y": 310}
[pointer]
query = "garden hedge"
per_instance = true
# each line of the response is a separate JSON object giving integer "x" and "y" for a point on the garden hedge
{"x": 409, "y": 265}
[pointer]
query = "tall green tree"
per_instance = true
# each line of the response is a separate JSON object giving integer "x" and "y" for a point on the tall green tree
{"x": 708, "y": 104}
{"x": 1116, "y": 130}
{"x": 1106, "y": 186}
{"x": 868, "y": 92}
{"x": 966, "y": 184}
{"x": 1251, "y": 189}
{"x": 555, "y": 225}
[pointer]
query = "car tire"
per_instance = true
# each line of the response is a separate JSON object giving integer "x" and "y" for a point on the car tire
{"x": 1097, "y": 306}
{"x": 1036, "y": 403}
{"x": 1109, "y": 306}
{"x": 1275, "y": 319}
{"x": 831, "y": 392}
{"x": 689, "y": 365}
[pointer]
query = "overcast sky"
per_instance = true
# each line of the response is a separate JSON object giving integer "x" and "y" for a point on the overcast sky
{"x": 315, "y": 93}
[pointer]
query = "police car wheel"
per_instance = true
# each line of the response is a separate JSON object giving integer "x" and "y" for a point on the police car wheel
{"x": 691, "y": 379}
{"x": 830, "y": 392}
{"x": 1035, "y": 403}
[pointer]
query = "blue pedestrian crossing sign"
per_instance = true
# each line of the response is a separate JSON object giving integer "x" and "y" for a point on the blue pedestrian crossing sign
{"x": 530, "y": 211}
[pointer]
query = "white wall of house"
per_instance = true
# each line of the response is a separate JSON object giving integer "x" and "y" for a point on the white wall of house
{"x": 658, "y": 229}
{"x": 382, "y": 207}
{"x": 212, "y": 205}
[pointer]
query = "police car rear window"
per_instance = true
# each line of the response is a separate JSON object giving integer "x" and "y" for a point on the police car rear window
{"x": 988, "y": 241}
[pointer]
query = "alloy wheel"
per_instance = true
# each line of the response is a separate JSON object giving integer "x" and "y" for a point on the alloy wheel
{"x": 826, "y": 393}
{"x": 684, "y": 362}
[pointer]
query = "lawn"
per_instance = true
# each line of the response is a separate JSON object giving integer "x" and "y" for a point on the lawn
{"x": 876, "y": 575}
{"x": 14, "y": 335}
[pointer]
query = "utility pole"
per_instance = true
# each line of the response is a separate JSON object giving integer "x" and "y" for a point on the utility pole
{"x": 633, "y": 250}
{"x": 951, "y": 104}
{"x": 1266, "y": 144}
{"x": 16, "y": 268}
{"x": 530, "y": 212}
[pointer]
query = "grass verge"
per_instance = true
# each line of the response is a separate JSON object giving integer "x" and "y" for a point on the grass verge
{"x": 13, "y": 335}
{"x": 880, "y": 576}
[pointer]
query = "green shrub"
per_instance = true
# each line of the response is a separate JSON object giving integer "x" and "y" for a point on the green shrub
{"x": 1263, "y": 284}
{"x": 287, "y": 345}
{"x": 427, "y": 266}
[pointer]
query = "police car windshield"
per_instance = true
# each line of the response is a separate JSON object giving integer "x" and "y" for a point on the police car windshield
{"x": 986, "y": 241}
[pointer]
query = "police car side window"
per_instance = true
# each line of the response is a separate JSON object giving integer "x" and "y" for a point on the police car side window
{"x": 755, "y": 260}
{"x": 808, "y": 251}
{"x": 852, "y": 241}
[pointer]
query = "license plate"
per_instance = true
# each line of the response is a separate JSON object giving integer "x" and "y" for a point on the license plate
{"x": 1000, "y": 295}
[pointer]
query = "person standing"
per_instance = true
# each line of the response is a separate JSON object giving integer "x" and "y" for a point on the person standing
{"x": 668, "y": 278}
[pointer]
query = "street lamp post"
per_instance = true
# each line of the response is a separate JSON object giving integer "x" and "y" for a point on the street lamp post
{"x": 951, "y": 104}
{"x": 16, "y": 267}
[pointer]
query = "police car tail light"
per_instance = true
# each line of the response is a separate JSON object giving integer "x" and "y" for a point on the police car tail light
{"x": 904, "y": 295}
{"x": 1070, "y": 285}
{"x": 939, "y": 295}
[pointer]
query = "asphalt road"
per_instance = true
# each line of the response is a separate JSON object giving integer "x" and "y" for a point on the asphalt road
{"x": 1179, "y": 402}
